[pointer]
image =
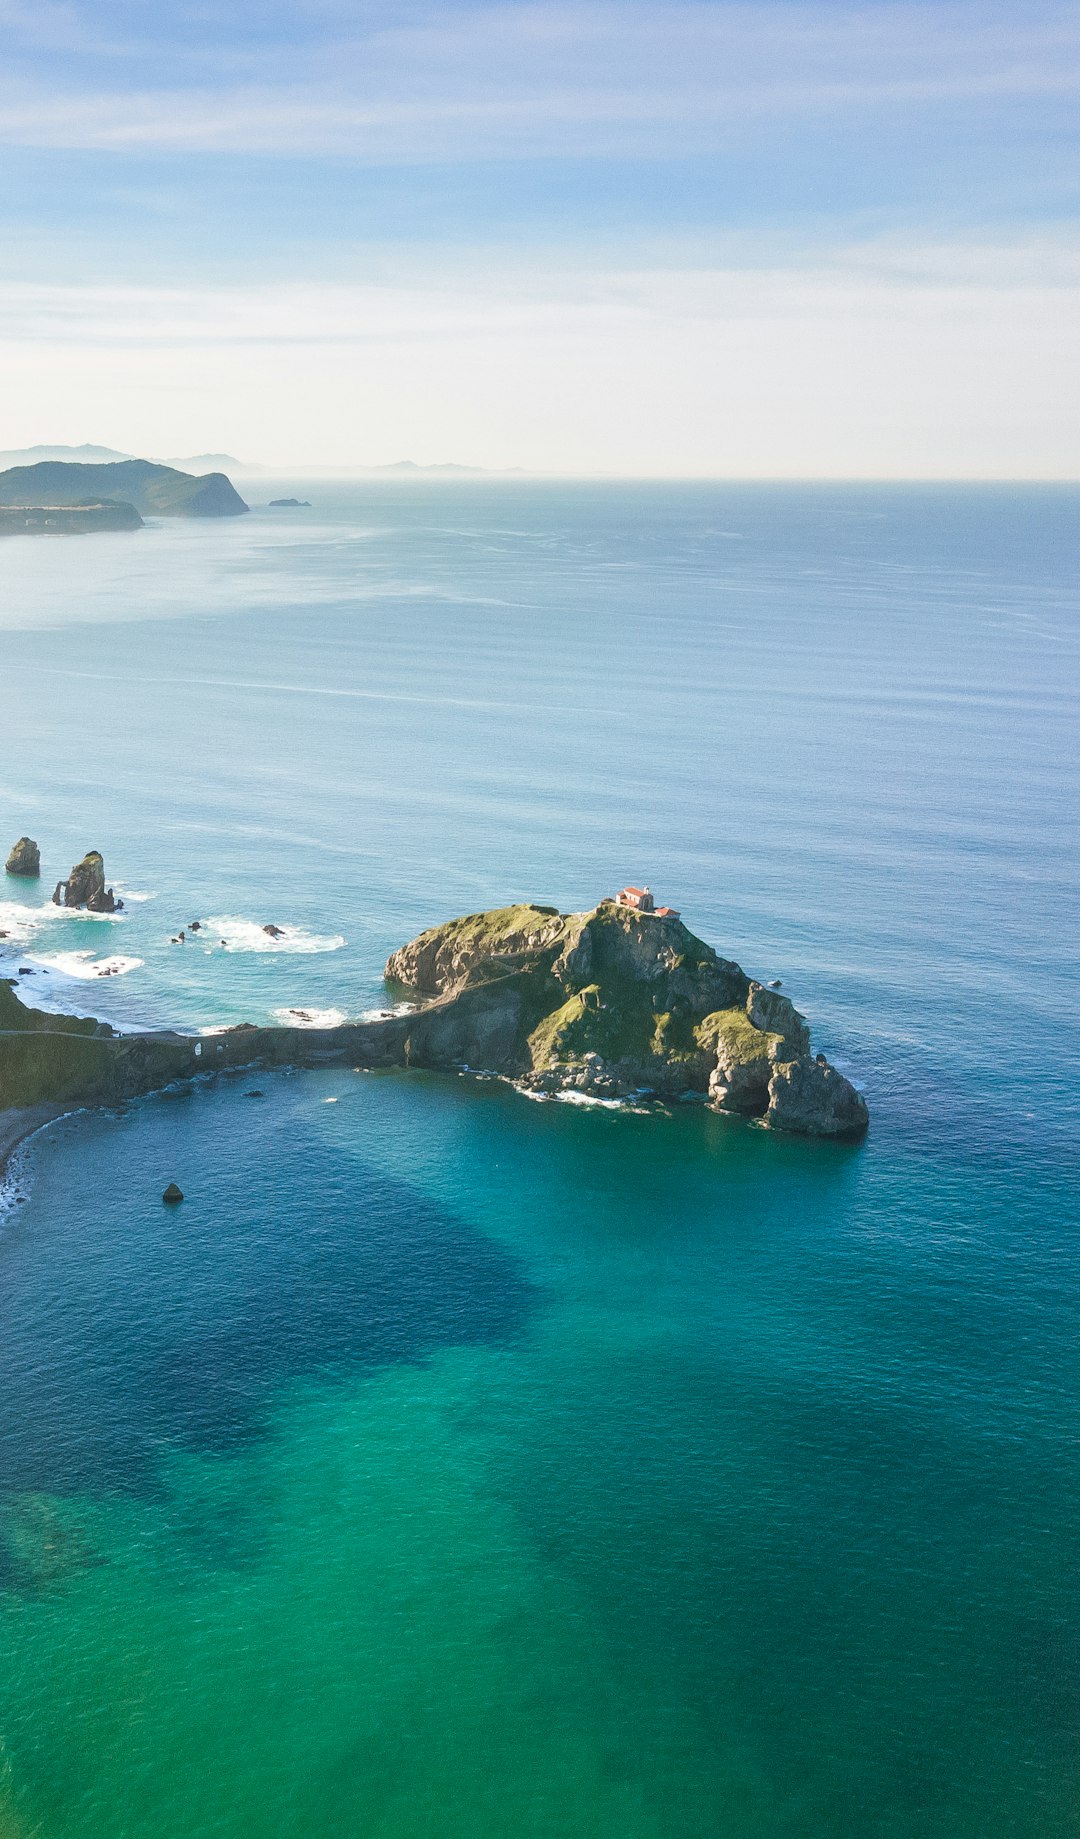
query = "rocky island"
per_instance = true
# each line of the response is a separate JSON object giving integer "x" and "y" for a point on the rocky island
{"x": 608, "y": 1003}
{"x": 619, "y": 1000}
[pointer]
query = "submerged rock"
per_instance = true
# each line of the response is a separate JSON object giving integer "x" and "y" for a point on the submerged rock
{"x": 24, "y": 859}
{"x": 85, "y": 887}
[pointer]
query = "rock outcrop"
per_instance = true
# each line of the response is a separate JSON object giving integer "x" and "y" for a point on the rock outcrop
{"x": 24, "y": 859}
{"x": 85, "y": 887}
{"x": 615, "y": 1002}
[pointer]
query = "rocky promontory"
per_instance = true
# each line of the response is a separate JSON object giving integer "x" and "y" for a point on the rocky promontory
{"x": 24, "y": 858}
{"x": 614, "y": 1002}
{"x": 608, "y": 1003}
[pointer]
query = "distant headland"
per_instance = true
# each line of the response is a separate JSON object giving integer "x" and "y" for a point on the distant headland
{"x": 77, "y": 497}
{"x": 618, "y": 1002}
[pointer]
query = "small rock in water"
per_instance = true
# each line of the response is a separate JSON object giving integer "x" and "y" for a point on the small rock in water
{"x": 255, "y": 1093}
{"x": 195, "y": 926}
{"x": 275, "y": 932}
{"x": 776, "y": 984}
{"x": 25, "y": 858}
{"x": 172, "y": 1194}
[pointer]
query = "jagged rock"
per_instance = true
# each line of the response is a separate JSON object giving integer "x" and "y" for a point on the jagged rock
{"x": 172, "y": 1195}
{"x": 25, "y": 858}
{"x": 811, "y": 1097}
{"x": 275, "y": 932}
{"x": 85, "y": 887}
{"x": 778, "y": 1015}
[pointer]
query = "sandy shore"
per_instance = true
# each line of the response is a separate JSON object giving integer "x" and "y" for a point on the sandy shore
{"x": 16, "y": 1126}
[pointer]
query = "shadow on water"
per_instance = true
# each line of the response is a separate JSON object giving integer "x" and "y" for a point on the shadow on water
{"x": 128, "y": 1328}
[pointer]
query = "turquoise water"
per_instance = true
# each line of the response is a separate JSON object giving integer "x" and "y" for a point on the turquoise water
{"x": 453, "y": 1464}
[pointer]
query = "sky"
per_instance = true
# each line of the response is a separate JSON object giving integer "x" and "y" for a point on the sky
{"x": 771, "y": 238}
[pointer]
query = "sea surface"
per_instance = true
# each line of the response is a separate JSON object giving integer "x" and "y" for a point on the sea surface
{"x": 457, "y": 1466}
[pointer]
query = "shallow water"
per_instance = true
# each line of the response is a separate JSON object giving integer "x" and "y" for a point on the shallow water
{"x": 452, "y": 1464}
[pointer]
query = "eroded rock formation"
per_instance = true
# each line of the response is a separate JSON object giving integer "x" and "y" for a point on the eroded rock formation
{"x": 85, "y": 887}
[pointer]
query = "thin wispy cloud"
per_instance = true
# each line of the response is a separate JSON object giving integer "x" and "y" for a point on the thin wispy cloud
{"x": 656, "y": 235}
{"x": 526, "y": 81}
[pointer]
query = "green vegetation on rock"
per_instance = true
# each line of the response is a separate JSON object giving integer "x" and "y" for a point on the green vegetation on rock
{"x": 155, "y": 491}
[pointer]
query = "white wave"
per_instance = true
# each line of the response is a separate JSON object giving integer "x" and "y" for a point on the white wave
{"x": 23, "y": 923}
{"x": 310, "y": 1018}
{"x": 17, "y": 923}
{"x": 127, "y": 894}
{"x": 250, "y": 935}
{"x": 387, "y": 1015}
{"x": 586, "y": 1100}
{"x": 80, "y": 964}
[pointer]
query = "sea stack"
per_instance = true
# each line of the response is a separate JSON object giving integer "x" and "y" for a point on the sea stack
{"x": 25, "y": 858}
{"x": 85, "y": 887}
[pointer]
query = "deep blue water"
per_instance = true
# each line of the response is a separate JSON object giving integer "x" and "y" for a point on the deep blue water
{"x": 456, "y": 1464}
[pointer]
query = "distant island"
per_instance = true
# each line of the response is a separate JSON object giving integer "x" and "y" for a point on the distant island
{"x": 622, "y": 1001}
{"x": 290, "y": 504}
{"x": 118, "y": 493}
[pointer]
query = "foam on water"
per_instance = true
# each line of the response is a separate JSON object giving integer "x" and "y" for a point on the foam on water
{"x": 22, "y": 922}
{"x": 250, "y": 935}
{"x": 310, "y": 1018}
{"x": 83, "y": 965}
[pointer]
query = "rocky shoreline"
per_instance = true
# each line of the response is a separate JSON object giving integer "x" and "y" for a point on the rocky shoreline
{"x": 606, "y": 1004}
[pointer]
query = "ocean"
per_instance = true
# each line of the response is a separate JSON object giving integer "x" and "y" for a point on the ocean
{"x": 454, "y": 1465}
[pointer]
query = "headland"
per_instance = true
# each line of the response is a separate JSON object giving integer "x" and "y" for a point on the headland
{"x": 616, "y": 1002}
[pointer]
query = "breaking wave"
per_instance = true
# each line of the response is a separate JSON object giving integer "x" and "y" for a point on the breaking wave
{"x": 80, "y": 964}
{"x": 310, "y": 1018}
{"x": 249, "y": 935}
{"x": 21, "y": 924}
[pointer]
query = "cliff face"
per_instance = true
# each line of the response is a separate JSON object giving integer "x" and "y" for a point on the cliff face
{"x": 613, "y": 1002}
{"x": 158, "y": 491}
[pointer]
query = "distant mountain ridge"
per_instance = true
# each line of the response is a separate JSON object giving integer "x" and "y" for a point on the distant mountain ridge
{"x": 154, "y": 491}
{"x": 89, "y": 454}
